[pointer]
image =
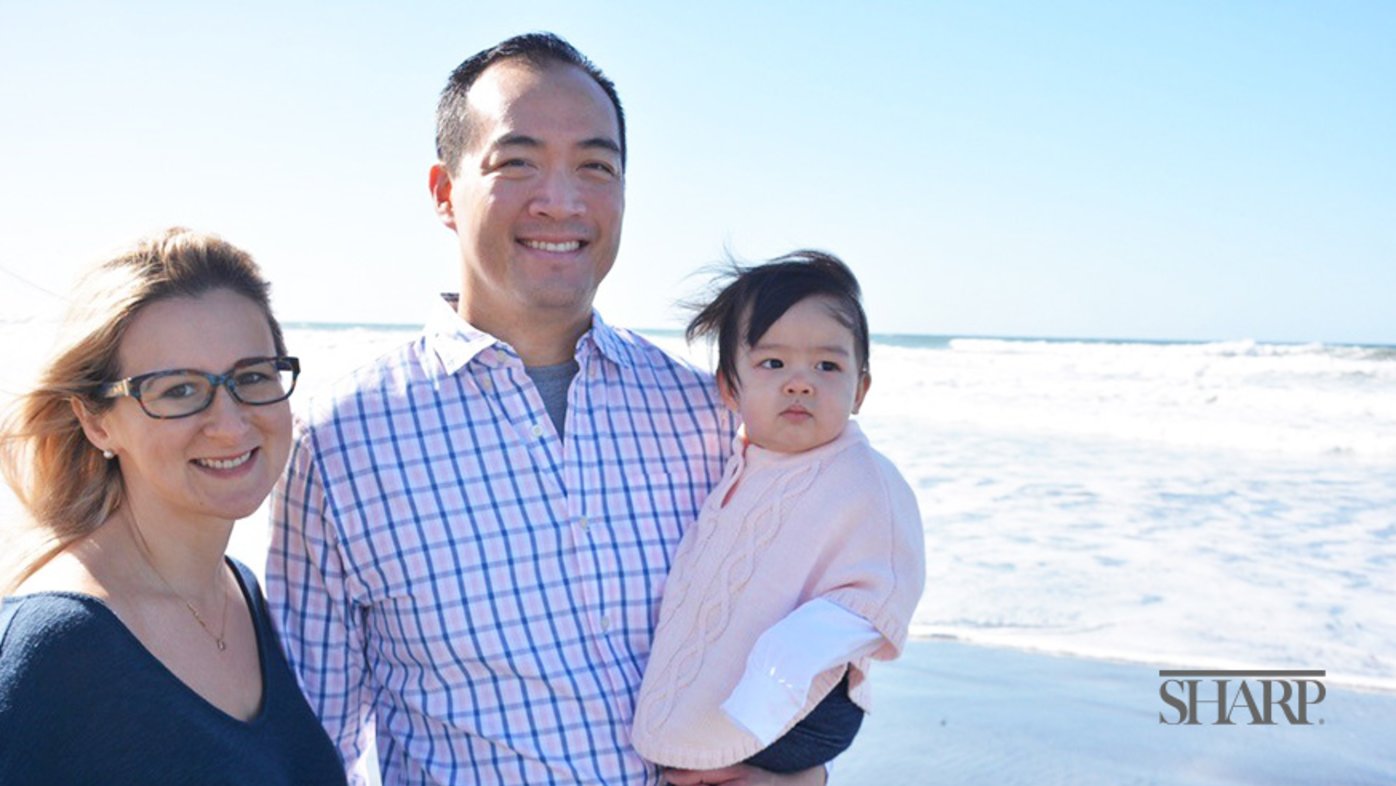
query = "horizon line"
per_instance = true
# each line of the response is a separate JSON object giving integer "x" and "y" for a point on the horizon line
{"x": 891, "y": 337}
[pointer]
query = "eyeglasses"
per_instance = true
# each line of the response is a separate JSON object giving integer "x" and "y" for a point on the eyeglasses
{"x": 179, "y": 393}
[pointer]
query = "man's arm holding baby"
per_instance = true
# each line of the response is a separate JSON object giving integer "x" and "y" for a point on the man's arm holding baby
{"x": 746, "y": 775}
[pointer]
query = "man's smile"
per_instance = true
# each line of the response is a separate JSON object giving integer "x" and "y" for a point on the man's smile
{"x": 561, "y": 247}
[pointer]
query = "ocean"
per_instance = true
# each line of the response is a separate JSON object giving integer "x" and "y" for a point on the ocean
{"x": 1205, "y": 505}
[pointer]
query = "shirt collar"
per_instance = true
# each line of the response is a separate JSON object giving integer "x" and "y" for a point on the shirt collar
{"x": 605, "y": 339}
{"x": 455, "y": 341}
{"x": 458, "y": 343}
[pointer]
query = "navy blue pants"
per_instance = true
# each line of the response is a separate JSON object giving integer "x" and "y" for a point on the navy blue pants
{"x": 823, "y": 734}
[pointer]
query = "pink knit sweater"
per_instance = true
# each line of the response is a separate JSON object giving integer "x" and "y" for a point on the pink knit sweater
{"x": 836, "y": 522}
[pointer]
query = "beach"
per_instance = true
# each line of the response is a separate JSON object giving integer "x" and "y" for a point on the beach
{"x": 1095, "y": 512}
{"x": 959, "y": 714}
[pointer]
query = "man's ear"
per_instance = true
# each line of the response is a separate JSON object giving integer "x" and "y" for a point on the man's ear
{"x": 439, "y": 181}
{"x": 863, "y": 385}
{"x": 93, "y": 425}
{"x": 729, "y": 395}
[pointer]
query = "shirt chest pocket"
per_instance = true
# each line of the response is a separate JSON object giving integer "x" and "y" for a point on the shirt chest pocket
{"x": 474, "y": 607}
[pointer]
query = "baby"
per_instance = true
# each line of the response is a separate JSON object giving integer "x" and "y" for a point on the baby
{"x": 807, "y": 559}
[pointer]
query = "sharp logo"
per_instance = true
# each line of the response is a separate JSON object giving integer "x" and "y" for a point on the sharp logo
{"x": 1230, "y": 698}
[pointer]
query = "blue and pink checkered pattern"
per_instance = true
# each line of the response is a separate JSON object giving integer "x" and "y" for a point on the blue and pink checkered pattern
{"x": 453, "y": 577}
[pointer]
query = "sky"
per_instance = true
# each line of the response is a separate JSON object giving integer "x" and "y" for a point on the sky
{"x": 1180, "y": 170}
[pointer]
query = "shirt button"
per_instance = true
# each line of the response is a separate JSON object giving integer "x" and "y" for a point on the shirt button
{"x": 605, "y": 624}
{"x": 537, "y": 429}
{"x": 583, "y": 524}
{"x": 486, "y": 386}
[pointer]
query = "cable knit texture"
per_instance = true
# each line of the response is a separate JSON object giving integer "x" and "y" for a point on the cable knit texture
{"x": 837, "y": 522}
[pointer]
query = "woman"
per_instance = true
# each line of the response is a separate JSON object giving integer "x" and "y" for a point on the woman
{"x": 131, "y": 649}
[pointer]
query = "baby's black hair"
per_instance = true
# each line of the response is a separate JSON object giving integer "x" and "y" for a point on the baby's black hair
{"x": 757, "y": 296}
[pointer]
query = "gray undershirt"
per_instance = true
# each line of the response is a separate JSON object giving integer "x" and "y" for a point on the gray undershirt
{"x": 552, "y": 383}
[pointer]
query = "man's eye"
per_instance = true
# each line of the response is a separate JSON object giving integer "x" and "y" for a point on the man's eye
{"x": 772, "y": 363}
{"x": 251, "y": 378}
{"x": 602, "y": 167}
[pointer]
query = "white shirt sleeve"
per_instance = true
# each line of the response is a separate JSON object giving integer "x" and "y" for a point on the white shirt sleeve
{"x": 811, "y": 639}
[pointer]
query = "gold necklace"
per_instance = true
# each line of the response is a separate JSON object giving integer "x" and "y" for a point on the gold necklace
{"x": 144, "y": 549}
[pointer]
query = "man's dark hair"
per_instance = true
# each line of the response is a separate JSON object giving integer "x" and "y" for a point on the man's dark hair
{"x": 753, "y": 298}
{"x": 453, "y": 128}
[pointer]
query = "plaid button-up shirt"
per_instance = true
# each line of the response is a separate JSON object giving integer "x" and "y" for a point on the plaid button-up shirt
{"x": 454, "y": 578}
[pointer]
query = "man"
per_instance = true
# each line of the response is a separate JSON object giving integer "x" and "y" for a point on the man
{"x": 474, "y": 530}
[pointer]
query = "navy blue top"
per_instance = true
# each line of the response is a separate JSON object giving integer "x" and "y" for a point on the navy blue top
{"x": 83, "y": 701}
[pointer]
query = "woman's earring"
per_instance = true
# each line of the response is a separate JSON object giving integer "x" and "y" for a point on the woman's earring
{"x": 108, "y": 455}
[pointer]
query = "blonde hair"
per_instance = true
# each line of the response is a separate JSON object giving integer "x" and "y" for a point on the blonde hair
{"x": 65, "y": 485}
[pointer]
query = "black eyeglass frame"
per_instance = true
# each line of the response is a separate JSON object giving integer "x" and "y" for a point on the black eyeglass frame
{"x": 131, "y": 386}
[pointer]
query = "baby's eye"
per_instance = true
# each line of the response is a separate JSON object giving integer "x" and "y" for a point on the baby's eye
{"x": 772, "y": 363}
{"x": 828, "y": 365}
